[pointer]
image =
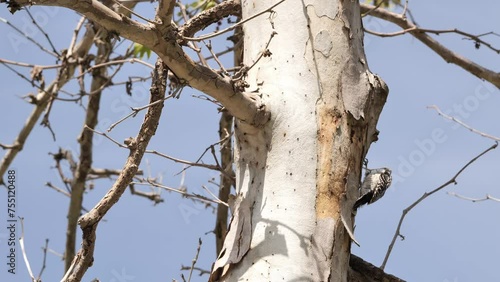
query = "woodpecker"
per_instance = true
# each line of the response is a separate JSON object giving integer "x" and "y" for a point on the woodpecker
{"x": 374, "y": 185}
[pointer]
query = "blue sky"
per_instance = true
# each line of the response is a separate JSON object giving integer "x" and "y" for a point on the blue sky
{"x": 447, "y": 239}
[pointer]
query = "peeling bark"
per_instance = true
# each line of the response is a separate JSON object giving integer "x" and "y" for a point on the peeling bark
{"x": 324, "y": 105}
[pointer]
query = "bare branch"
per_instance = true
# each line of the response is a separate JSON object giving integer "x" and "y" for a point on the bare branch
{"x": 192, "y": 45}
{"x": 153, "y": 196}
{"x": 210, "y": 16}
{"x": 189, "y": 163}
{"x": 45, "y": 249}
{"x": 201, "y": 270}
{"x": 463, "y": 124}
{"x": 107, "y": 137}
{"x": 50, "y": 185}
{"x": 75, "y": 34}
{"x": 476, "y": 38}
{"x": 195, "y": 259}
{"x": 130, "y": 11}
{"x": 41, "y": 102}
{"x": 487, "y": 197}
{"x": 42, "y": 31}
{"x": 246, "y": 106}
{"x": 448, "y": 55}
{"x": 240, "y": 23}
{"x": 29, "y": 38}
{"x": 4, "y": 61}
{"x": 164, "y": 13}
{"x": 89, "y": 222}
{"x": 135, "y": 111}
{"x": 453, "y": 180}
{"x": 23, "y": 250}
{"x": 183, "y": 192}
{"x": 108, "y": 172}
{"x": 99, "y": 80}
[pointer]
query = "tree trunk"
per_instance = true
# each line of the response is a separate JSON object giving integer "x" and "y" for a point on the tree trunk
{"x": 298, "y": 177}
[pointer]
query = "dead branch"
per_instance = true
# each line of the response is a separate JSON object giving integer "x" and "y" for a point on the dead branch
{"x": 29, "y": 37}
{"x": 183, "y": 191}
{"x": 193, "y": 263}
{"x": 42, "y": 99}
{"x": 448, "y": 55}
{"x": 233, "y": 27}
{"x": 474, "y": 200}
{"x": 135, "y": 111}
{"x": 137, "y": 146}
{"x": 99, "y": 79}
{"x": 453, "y": 180}
{"x": 246, "y": 106}
{"x": 153, "y": 196}
{"x": 210, "y": 16}
{"x": 497, "y": 139}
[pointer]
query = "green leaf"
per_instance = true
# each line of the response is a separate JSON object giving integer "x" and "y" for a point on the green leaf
{"x": 140, "y": 50}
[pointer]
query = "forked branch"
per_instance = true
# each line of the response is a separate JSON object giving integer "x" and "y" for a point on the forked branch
{"x": 453, "y": 180}
{"x": 163, "y": 40}
{"x": 448, "y": 55}
{"x": 137, "y": 146}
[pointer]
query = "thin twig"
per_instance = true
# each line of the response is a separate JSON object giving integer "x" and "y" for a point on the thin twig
{"x": 29, "y": 38}
{"x": 217, "y": 33}
{"x": 463, "y": 124}
{"x": 106, "y": 136}
{"x": 44, "y": 259}
{"x": 213, "y": 195}
{"x": 132, "y": 12}
{"x": 181, "y": 191}
{"x": 23, "y": 250}
{"x": 195, "y": 259}
{"x": 135, "y": 111}
{"x": 50, "y": 185}
{"x": 89, "y": 222}
{"x": 43, "y": 31}
{"x": 372, "y": 9}
{"x": 5, "y": 61}
{"x": 209, "y": 47}
{"x": 201, "y": 270}
{"x": 75, "y": 34}
{"x": 405, "y": 9}
{"x": 153, "y": 196}
{"x": 448, "y": 55}
{"x": 453, "y": 180}
{"x": 487, "y": 197}
{"x": 189, "y": 163}
{"x": 193, "y": 45}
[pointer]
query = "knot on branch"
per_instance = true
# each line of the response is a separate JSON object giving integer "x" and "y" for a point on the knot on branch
{"x": 131, "y": 143}
{"x": 262, "y": 116}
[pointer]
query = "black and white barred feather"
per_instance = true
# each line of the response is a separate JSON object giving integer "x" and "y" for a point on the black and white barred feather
{"x": 374, "y": 186}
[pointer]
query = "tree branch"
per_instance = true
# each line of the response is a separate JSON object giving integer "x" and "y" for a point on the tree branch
{"x": 448, "y": 55}
{"x": 470, "y": 128}
{"x": 89, "y": 222}
{"x": 99, "y": 80}
{"x": 163, "y": 41}
{"x": 210, "y": 16}
{"x": 164, "y": 12}
{"x": 474, "y": 200}
{"x": 453, "y": 180}
{"x": 42, "y": 99}
{"x": 362, "y": 271}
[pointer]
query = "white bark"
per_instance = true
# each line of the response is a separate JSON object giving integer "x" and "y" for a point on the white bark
{"x": 298, "y": 174}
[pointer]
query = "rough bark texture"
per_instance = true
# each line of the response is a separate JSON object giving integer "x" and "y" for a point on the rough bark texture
{"x": 298, "y": 177}
{"x": 362, "y": 271}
